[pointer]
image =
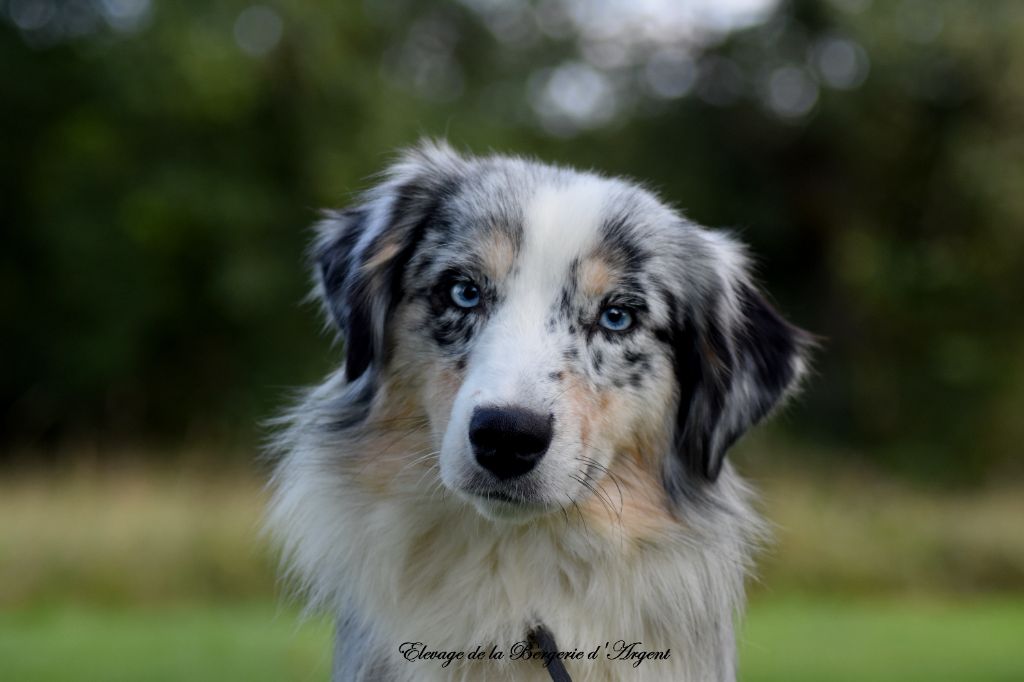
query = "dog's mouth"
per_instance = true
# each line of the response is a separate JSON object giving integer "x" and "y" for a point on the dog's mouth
{"x": 516, "y": 491}
{"x": 505, "y": 505}
{"x": 501, "y": 496}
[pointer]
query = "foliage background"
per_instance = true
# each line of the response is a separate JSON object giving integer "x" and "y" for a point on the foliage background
{"x": 160, "y": 163}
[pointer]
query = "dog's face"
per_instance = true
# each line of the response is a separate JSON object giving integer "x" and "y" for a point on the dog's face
{"x": 554, "y": 327}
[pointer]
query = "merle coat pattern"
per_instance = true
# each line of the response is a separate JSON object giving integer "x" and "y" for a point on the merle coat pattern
{"x": 544, "y": 369}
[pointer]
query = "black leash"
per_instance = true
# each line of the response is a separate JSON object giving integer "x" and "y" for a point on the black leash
{"x": 540, "y": 637}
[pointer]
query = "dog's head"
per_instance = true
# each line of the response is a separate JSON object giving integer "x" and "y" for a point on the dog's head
{"x": 553, "y": 326}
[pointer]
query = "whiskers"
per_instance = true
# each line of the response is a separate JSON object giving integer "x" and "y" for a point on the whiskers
{"x": 406, "y": 438}
{"x": 429, "y": 477}
{"x": 593, "y": 464}
{"x": 588, "y": 480}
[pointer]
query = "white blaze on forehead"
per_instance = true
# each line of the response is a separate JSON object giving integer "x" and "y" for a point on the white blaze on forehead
{"x": 562, "y": 224}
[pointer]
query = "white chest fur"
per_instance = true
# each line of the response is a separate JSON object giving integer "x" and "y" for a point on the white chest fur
{"x": 430, "y": 570}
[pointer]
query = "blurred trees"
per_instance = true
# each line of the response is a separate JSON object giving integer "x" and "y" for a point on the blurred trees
{"x": 160, "y": 162}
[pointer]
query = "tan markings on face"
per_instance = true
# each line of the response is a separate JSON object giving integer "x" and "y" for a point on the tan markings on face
{"x": 497, "y": 254}
{"x": 398, "y": 438}
{"x": 392, "y": 448}
{"x": 581, "y": 401}
{"x": 439, "y": 389}
{"x": 384, "y": 255}
{"x": 399, "y": 441}
{"x": 636, "y": 507}
{"x": 596, "y": 276}
{"x": 630, "y": 499}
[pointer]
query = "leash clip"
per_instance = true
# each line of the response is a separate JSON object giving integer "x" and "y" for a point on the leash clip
{"x": 542, "y": 638}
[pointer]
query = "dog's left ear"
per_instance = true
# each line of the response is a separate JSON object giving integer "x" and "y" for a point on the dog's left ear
{"x": 736, "y": 359}
{"x": 360, "y": 254}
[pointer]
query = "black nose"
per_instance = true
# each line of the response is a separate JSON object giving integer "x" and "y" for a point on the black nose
{"x": 509, "y": 441}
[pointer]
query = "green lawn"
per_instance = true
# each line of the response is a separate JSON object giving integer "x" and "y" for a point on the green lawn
{"x": 796, "y": 640}
{"x": 786, "y": 640}
{"x": 237, "y": 642}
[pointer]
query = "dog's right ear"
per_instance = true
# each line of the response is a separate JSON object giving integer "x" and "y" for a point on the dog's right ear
{"x": 359, "y": 254}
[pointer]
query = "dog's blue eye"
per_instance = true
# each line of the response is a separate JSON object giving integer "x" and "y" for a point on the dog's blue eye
{"x": 465, "y": 294}
{"x": 616, "y": 319}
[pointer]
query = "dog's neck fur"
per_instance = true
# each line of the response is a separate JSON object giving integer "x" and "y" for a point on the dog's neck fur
{"x": 419, "y": 565}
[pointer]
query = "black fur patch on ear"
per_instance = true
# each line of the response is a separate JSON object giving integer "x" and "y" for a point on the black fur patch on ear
{"x": 334, "y": 261}
{"x": 730, "y": 374}
{"x": 359, "y": 343}
{"x": 770, "y": 343}
{"x": 430, "y": 215}
{"x": 362, "y": 297}
{"x": 702, "y": 365}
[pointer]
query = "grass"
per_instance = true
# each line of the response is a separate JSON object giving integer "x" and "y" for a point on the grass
{"x": 863, "y": 534}
{"x": 242, "y": 642}
{"x": 143, "y": 536}
{"x": 797, "y": 639}
{"x": 785, "y": 640}
{"x": 132, "y": 536}
{"x": 140, "y": 574}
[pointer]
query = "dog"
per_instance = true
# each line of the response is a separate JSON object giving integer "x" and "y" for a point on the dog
{"x": 518, "y": 472}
